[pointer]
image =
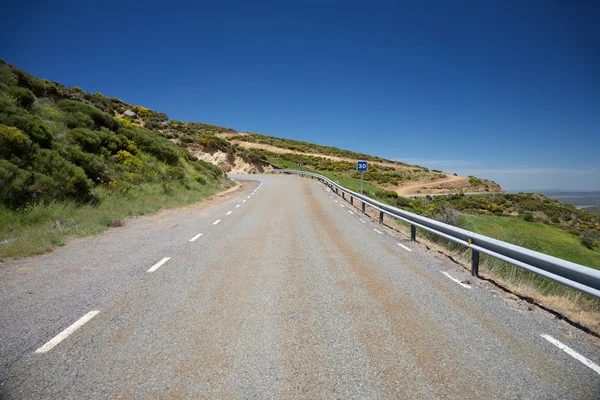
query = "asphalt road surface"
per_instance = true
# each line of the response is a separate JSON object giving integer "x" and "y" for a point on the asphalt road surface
{"x": 281, "y": 290}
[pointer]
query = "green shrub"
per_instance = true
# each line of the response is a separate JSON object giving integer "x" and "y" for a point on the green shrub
{"x": 528, "y": 216}
{"x": 30, "y": 82}
{"x": 154, "y": 144}
{"x": 93, "y": 165}
{"x": 13, "y": 142}
{"x": 186, "y": 139}
{"x": 587, "y": 240}
{"x": 78, "y": 120}
{"x": 200, "y": 179}
{"x": 101, "y": 119}
{"x": 66, "y": 180}
{"x": 89, "y": 140}
{"x": 31, "y": 125}
{"x": 23, "y": 97}
{"x": 15, "y": 184}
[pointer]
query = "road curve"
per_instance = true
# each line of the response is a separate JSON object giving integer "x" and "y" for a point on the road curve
{"x": 281, "y": 291}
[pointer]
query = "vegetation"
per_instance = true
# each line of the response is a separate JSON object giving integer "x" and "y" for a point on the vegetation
{"x": 64, "y": 156}
{"x": 306, "y": 147}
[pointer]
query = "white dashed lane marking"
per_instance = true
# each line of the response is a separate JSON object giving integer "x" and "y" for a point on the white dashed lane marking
{"x": 237, "y": 206}
{"x": 229, "y": 212}
{"x": 456, "y": 280}
{"x": 67, "y": 332}
{"x": 195, "y": 237}
{"x": 350, "y": 212}
{"x": 159, "y": 264}
{"x": 579, "y": 357}
{"x": 216, "y": 222}
{"x": 404, "y": 247}
{"x": 378, "y": 231}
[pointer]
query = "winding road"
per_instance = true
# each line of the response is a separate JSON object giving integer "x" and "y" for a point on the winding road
{"x": 280, "y": 290}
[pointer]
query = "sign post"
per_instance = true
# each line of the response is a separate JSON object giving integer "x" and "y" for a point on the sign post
{"x": 362, "y": 166}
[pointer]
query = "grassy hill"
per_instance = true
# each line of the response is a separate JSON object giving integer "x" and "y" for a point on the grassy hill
{"x": 71, "y": 163}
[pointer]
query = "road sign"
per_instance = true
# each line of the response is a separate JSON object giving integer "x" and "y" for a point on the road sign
{"x": 362, "y": 166}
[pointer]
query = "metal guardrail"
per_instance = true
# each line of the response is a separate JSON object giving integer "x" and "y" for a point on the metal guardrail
{"x": 577, "y": 276}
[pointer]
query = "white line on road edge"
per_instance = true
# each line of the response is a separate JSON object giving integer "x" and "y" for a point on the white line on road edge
{"x": 229, "y": 212}
{"x": 216, "y": 222}
{"x": 363, "y": 221}
{"x": 237, "y": 206}
{"x": 378, "y": 231}
{"x": 67, "y": 332}
{"x": 342, "y": 206}
{"x": 243, "y": 201}
{"x": 350, "y": 212}
{"x": 195, "y": 237}
{"x": 584, "y": 360}
{"x": 158, "y": 264}
{"x": 404, "y": 247}
{"x": 456, "y": 280}
{"x": 337, "y": 201}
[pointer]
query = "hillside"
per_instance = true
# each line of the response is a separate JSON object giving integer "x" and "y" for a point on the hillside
{"x": 73, "y": 163}
{"x": 61, "y": 145}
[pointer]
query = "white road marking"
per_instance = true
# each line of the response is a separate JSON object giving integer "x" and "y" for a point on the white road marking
{"x": 158, "y": 264}
{"x": 342, "y": 206}
{"x": 456, "y": 280}
{"x": 243, "y": 201}
{"x": 216, "y": 222}
{"x": 237, "y": 206}
{"x": 67, "y": 332}
{"x": 350, "y": 212}
{"x": 378, "y": 231}
{"x": 404, "y": 247}
{"x": 195, "y": 237}
{"x": 579, "y": 357}
{"x": 336, "y": 201}
{"x": 228, "y": 212}
{"x": 363, "y": 221}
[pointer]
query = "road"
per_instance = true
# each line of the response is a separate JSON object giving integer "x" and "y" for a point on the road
{"x": 286, "y": 294}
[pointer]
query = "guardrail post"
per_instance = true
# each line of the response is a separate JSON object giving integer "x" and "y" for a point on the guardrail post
{"x": 380, "y": 217}
{"x": 413, "y": 233}
{"x": 363, "y": 207}
{"x": 343, "y": 195}
{"x": 351, "y": 200}
{"x": 475, "y": 263}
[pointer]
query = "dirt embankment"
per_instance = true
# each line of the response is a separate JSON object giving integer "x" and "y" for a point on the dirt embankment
{"x": 230, "y": 163}
{"x": 449, "y": 185}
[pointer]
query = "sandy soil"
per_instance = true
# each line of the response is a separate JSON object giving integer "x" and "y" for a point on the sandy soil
{"x": 230, "y": 163}
{"x": 448, "y": 185}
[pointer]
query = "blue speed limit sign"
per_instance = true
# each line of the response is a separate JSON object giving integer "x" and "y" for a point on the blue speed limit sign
{"x": 362, "y": 166}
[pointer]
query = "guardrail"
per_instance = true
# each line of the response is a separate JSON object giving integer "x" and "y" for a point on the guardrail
{"x": 577, "y": 276}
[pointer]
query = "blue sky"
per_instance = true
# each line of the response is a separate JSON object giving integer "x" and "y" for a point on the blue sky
{"x": 506, "y": 90}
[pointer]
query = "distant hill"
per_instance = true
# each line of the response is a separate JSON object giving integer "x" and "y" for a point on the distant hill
{"x": 593, "y": 210}
{"x": 576, "y": 198}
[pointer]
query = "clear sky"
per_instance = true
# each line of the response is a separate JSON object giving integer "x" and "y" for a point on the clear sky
{"x": 505, "y": 90}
